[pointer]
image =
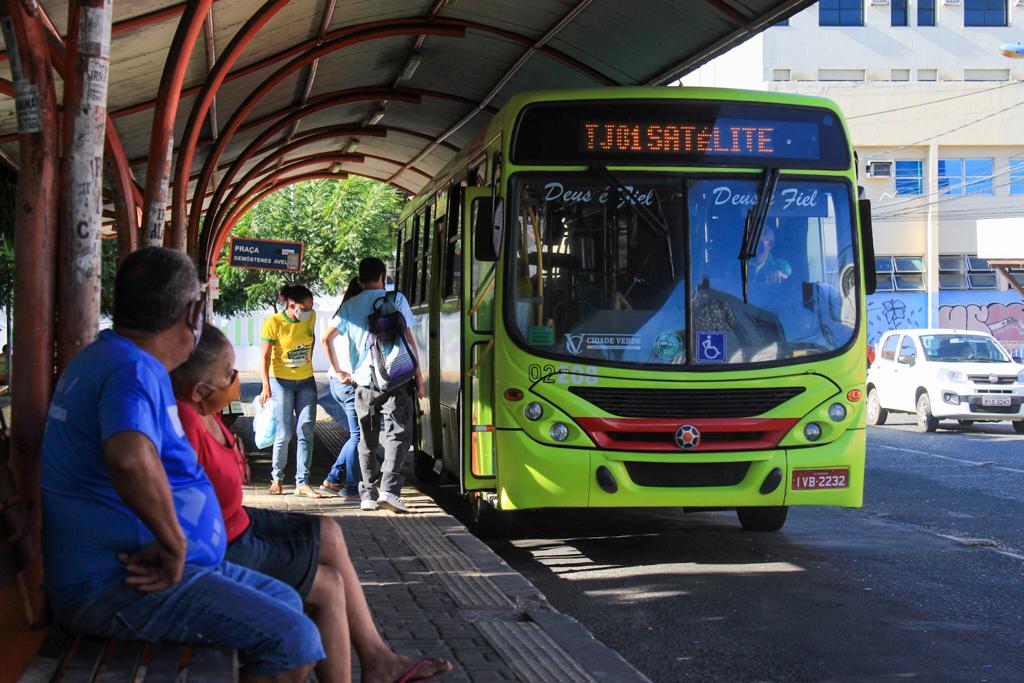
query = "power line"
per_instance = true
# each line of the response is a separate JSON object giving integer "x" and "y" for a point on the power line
{"x": 925, "y": 104}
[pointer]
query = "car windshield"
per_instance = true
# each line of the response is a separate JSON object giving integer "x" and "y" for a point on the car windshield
{"x": 963, "y": 348}
{"x": 648, "y": 272}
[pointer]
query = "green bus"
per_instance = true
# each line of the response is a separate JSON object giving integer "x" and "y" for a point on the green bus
{"x": 608, "y": 316}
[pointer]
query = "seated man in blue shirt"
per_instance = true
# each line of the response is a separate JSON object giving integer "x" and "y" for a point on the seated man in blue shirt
{"x": 133, "y": 539}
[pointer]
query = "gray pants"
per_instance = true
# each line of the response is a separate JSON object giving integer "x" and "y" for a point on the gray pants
{"x": 395, "y": 435}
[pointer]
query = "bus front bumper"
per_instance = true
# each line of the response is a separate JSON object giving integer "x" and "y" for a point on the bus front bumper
{"x": 533, "y": 475}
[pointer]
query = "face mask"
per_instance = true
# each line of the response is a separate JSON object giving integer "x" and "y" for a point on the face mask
{"x": 303, "y": 315}
{"x": 221, "y": 398}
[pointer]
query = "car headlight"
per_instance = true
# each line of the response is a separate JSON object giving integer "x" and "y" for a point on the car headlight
{"x": 952, "y": 376}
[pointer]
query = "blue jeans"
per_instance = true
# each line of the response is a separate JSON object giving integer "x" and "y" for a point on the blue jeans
{"x": 295, "y": 410}
{"x": 227, "y": 605}
{"x": 348, "y": 457}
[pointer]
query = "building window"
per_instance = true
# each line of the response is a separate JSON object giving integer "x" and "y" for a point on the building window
{"x": 957, "y": 271}
{"x": 985, "y": 13}
{"x": 951, "y": 272}
{"x": 910, "y": 178}
{"x": 782, "y": 22}
{"x": 780, "y": 74}
{"x": 899, "y": 74}
{"x": 926, "y": 12}
{"x": 965, "y": 176}
{"x": 841, "y": 13}
{"x": 980, "y": 275}
{"x": 927, "y": 74}
{"x": 899, "y": 12}
{"x": 986, "y": 74}
{"x": 909, "y": 273}
{"x": 1016, "y": 176}
{"x": 899, "y": 273}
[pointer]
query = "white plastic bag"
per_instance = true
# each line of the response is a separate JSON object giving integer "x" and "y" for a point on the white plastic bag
{"x": 264, "y": 424}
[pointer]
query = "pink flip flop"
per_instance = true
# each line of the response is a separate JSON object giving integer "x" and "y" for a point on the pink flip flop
{"x": 410, "y": 675}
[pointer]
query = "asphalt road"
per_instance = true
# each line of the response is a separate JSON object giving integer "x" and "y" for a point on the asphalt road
{"x": 925, "y": 583}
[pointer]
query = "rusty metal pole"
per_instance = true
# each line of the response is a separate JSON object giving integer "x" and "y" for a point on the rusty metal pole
{"x": 124, "y": 200}
{"x": 85, "y": 110}
{"x": 161, "y": 141}
{"x": 35, "y": 246}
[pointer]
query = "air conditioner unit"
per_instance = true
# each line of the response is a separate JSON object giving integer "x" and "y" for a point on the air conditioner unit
{"x": 879, "y": 169}
{"x": 951, "y": 2}
{"x": 879, "y": 2}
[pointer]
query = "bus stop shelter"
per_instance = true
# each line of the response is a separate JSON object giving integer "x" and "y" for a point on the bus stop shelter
{"x": 163, "y": 122}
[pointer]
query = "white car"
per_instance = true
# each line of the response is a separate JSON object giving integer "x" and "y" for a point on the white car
{"x": 944, "y": 375}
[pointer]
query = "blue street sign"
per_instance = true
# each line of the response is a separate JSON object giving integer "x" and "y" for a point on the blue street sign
{"x": 260, "y": 254}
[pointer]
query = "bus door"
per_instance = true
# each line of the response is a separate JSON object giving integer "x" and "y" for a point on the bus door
{"x": 477, "y": 396}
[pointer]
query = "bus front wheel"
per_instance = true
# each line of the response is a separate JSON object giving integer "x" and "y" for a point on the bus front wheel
{"x": 762, "y": 518}
{"x": 488, "y": 522}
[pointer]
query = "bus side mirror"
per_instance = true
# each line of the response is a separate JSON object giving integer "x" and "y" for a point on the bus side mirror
{"x": 867, "y": 245}
{"x": 488, "y": 228}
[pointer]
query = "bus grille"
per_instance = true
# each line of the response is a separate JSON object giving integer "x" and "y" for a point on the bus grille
{"x": 686, "y": 474}
{"x": 687, "y": 403}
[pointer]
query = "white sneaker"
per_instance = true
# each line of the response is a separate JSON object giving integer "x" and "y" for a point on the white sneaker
{"x": 368, "y": 505}
{"x": 389, "y": 501}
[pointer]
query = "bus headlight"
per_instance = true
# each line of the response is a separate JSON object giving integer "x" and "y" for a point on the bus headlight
{"x": 812, "y": 431}
{"x": 559, "y": 432}
{"x": 533, "y": 411}
{"x": 837, "y": 412}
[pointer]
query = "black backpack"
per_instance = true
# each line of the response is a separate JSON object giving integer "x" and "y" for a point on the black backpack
{"x": 386, "y": 325}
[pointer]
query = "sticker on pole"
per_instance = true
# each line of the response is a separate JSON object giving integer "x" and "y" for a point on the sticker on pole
{"x": 711, "y": 347}
{"x": 266, "y": 254}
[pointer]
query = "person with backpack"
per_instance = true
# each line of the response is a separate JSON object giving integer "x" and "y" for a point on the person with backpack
{"x": 386, "y": 373}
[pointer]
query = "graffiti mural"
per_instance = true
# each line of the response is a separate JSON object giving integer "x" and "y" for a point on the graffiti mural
{"x": 895, "y": 311}
{"x": 1002, "y": 315}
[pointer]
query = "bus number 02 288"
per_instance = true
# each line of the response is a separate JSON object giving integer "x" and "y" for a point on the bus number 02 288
{"x": 577, "y": 375}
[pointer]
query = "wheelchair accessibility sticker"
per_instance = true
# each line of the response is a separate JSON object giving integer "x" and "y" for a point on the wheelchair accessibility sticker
{"x": 711, "y": 347}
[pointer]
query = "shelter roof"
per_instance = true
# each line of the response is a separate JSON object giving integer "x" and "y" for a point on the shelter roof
{"x": 398, "y": 85}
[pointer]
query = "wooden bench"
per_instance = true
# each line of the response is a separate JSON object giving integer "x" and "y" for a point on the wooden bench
{"x": 68, "y": 658}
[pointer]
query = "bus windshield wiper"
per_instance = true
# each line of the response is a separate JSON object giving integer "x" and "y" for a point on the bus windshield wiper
{"x": 757, "y": 216}
{"x": 631, "y": 196}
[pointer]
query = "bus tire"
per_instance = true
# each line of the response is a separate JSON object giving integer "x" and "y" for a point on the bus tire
{"x": 486, "y": 521}
{"x": 926, "y": 422}
{"x": 423, "y": 467}
{"x": 762, "y": 518}
{"x": 876, "y": 413}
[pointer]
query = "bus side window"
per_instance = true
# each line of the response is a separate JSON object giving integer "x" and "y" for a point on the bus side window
{"x": 423, "y": 291}
{"x": 453, "y": 259}
{"x": 399, "y": 285}
{"x": 482, "y": 282}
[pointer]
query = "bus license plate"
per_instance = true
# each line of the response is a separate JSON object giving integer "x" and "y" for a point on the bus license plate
{"x": 809, "y": 480}
{"x": 995, "y": 400}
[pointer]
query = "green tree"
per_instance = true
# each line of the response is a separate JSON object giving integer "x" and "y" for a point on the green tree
{"x": 339, "y": 221}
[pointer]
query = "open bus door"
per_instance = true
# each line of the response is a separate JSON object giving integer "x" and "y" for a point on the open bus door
{"x": 476, "y": 400}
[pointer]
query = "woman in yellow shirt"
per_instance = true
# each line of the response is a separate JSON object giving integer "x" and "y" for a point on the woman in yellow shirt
{"x": 287, "y": 345}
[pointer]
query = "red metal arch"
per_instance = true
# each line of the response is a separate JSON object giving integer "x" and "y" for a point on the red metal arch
{"x": 213, "y": 210}
{"x": 437, "y": 28}
{"x": 223, "y": 231}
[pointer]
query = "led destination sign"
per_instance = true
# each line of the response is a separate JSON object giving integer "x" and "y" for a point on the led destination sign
{"x": 738, "y": 138}
{"x": 676, "y": 132}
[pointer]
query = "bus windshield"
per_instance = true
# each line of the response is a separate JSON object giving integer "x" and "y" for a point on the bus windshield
{"x": 647, "y": 272}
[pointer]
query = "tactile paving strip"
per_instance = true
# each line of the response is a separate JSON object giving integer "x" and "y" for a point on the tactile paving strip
{"x": 531, "y": 653}
{"x": 460, "y": 577}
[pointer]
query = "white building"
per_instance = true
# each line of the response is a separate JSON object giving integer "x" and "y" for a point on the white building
{"x": 936, "y": 114}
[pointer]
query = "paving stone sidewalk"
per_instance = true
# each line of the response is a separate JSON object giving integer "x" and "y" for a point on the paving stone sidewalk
{"x": 436, "y": 590}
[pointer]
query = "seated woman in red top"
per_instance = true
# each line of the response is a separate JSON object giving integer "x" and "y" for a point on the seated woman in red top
{"x": 294, "y": 548}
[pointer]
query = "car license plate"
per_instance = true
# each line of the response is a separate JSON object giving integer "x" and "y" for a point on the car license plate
{"x": 809, "y": 480}
{"x": 995, "y": 400}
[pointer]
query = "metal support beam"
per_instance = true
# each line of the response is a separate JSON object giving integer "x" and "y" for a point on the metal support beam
{"x": 87, "y": 68}
{"x": 35, "y": 254}
{"x": 125, "y": 208}
{"x": 161, "y": 141}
